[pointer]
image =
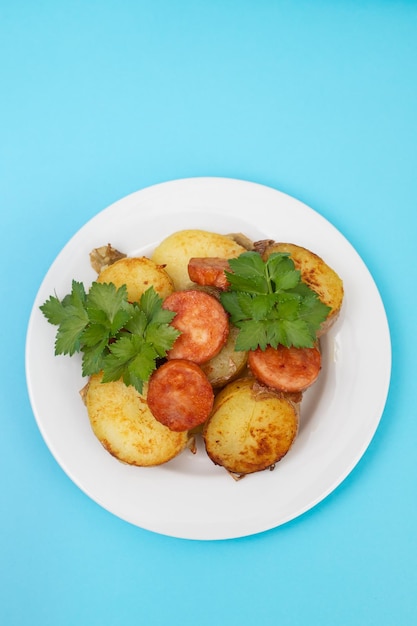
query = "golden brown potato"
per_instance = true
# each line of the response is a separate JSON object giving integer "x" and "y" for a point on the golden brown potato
{"x": 228, "y": 363}
{"x": 250, "y": 428}
{"x": 175, "y": 251}
{"x": 122, "y": 422}
{"x": 138, "y": 274}
{"x": 317, "y": 275}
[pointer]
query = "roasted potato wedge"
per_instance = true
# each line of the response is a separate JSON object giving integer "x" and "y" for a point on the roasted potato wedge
{"x": 123, "y": 423}
{"x": 138, "y": 274}
{"x": 317, "y": 275}
{"x": 228, "y": 363}
{"x": 175, "y": 251}
{"x": 251, "y": 428}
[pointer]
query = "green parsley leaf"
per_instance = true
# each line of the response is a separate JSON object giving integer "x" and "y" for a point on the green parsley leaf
{"x": 78, "y": 295}
{"x": 94, "y": 334}
{"x": 68, "y": 338}
{"x": 138, "y": 321}
{"x": 119, "y": 338}
{"x": 109, "y": 306}
{"x": 150, "y": 303}
{"x": 263, "y": 306}
{"x": 130, "y": 358}
{"x": 251, "y": 335}
{"x": 282, "y": 273}
{"x": 70, "y": 316}
{"x": 297, "y": 334}
{"x": 275, "y": 335}
{"x": 232, "y": 303}
{"x": 53, "y": 310}
{"x": 248, "y": 273}
{"x": 312, "y": 310}
{"x": 56, "y": 310}
{"x": 107, "y": 298}
{"x": 269, "y": 303}
{"x": 161, "y": 337}
{"x": 92, "y": 357}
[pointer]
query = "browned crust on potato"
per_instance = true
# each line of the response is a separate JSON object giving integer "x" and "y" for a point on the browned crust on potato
{"x": 250, "y": 430}
{"x": 122, "y": 421}
{"x": 138, "y": 274}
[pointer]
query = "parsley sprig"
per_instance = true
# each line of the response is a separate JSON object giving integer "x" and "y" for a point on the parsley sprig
{"x": 119, "y": 338}
{"x": 270, "y": 304}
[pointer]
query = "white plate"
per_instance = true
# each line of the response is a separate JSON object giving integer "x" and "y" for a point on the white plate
{"x": 190, "y": 497}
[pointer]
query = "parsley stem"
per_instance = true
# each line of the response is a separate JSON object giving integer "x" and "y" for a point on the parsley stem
{"x": 268, "y": 280}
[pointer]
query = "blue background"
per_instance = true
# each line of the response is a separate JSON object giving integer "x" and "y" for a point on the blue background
{"x": 317, "y": 99}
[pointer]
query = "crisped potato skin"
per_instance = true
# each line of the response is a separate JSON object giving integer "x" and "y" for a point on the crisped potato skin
{"x": 250, "y": 428}
{"x": 175, "y": 251}
{"x": 317, "y": 275}
{"x": 138, "y": 274}
{"x": 122, "y": 422}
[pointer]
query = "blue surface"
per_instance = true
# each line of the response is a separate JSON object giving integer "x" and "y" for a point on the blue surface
{"x": 317, "y": 99}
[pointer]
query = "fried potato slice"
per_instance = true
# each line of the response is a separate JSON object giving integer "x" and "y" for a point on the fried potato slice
{"x": 175, "y": 251}
{"x": 317, "y": 275}
{"x": 123, "y": 423}
{"x": 138, "y": 274}
{"x": 251, "y": 428}
{"x": 228, "y": 363}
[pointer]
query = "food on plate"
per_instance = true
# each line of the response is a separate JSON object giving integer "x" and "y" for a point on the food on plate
{"x": 270, "y": 304}
{"x": 251, "y": 427}
{"x": 138, "y": 274}
{"x": 286, "y": 369}
{"x": 212, "y": 334}
{"x": 228, "y": 363}
{"x": 122, "y": 421}
{"x": 180, "y": 395}
{"x": 209, "y": 271}
{"x": 202, "y": 323}
{"x": 104, "y": 256}
{"x": 316, "y": 274}
{"x": 175, "y": 251}
{"x": 122, "y": 339}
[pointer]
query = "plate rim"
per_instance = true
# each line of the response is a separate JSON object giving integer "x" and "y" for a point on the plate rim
{"x": 228, "y": 182}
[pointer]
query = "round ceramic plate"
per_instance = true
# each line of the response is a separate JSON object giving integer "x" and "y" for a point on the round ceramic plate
{"x": 190, "y": 497}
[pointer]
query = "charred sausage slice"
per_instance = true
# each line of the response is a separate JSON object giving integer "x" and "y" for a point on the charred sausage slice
{"x": 203, "y": 324}
{"x": 286, "y": 369}
{"x": 180, "y": 395}
{"x": 209, "y": 271}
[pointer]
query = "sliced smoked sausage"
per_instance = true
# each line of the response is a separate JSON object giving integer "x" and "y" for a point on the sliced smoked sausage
{"x": 286, "y": 369}
{"x": 203, "y": 324}
{"x": 209, "y": 271}
{"x": 180, "y": 395}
